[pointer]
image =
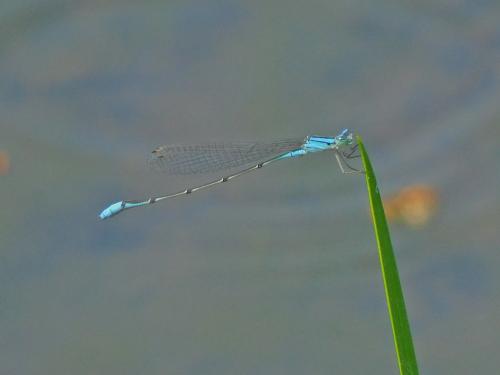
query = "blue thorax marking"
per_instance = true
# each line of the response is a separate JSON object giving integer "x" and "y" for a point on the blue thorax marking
{"x": 315, "y": 143}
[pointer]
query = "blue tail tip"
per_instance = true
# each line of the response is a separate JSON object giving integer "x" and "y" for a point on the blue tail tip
{"x": 112, "y": 210}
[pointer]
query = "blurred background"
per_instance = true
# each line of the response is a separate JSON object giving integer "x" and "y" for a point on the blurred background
{"x": 277, "y": 272}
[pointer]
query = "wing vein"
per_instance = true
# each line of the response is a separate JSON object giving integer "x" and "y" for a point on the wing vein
{"x": 212, "y": 157}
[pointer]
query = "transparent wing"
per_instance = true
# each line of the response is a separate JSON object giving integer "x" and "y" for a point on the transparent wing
{"x": 212, "y": 157}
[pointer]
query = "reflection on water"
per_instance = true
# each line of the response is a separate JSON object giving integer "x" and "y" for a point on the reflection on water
{"x": 4, "y": 162}
{"x": 276, "y": 272}
{"x": 413, "y": 205}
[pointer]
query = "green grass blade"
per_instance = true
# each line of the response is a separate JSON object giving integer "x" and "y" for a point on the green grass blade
{"x": 394, "y": 294}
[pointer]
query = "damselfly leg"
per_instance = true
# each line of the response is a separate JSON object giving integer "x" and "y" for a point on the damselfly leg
{"x": 342, "y": 162}
{"x": 351, "y": 155}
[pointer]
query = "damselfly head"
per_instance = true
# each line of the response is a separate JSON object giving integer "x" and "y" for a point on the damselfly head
{"x": 345, "y": 138}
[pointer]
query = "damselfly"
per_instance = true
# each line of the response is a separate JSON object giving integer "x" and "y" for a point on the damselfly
{"x": 181, "y": 159}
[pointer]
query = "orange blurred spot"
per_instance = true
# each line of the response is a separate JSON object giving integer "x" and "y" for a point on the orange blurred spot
{"x": 4, "y": 163}
{"x": 414, "y": 205}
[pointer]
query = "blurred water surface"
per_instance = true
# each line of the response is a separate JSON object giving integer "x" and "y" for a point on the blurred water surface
{"x": 275, "y": 273}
